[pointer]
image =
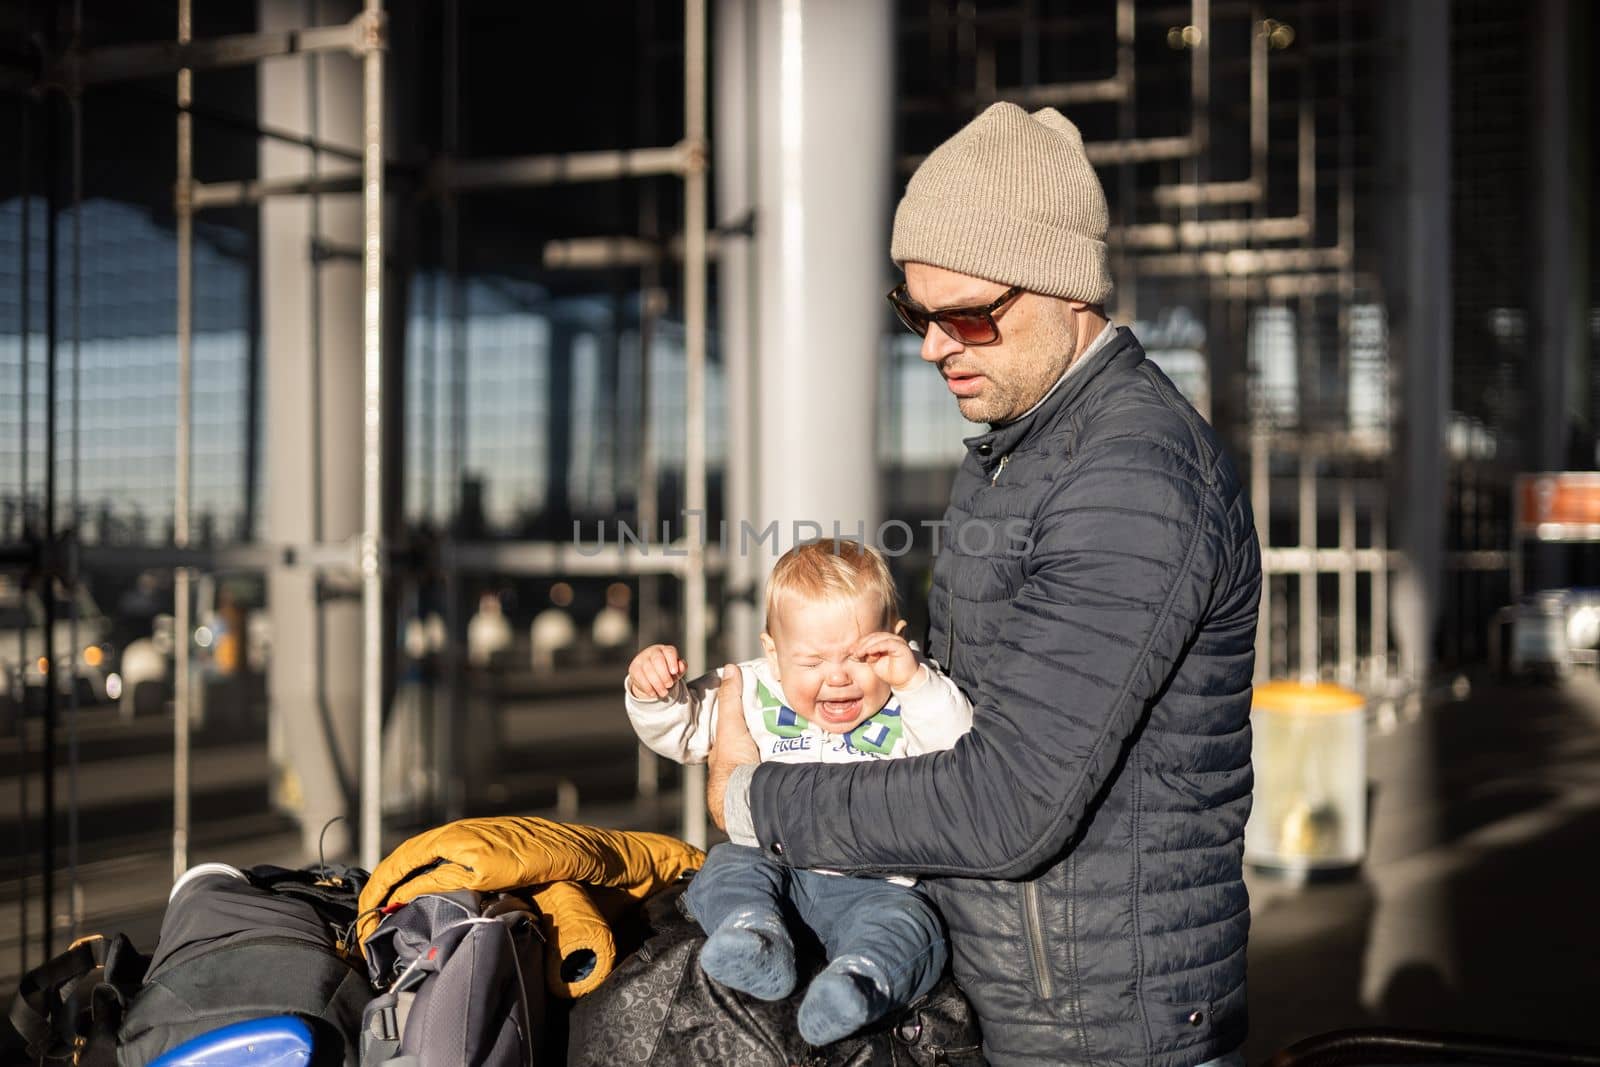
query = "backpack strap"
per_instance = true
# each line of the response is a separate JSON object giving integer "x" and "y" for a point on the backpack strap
{"x": 38, "y": 1008}
{"x": 387, "y": 1015}
{"x": 384, "y": 1025}
{"x": 72, "y": 1004}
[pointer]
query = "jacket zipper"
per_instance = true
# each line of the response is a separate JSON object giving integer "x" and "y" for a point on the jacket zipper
{"x": 948, "y": 663}
{"x": 1030, "y": 914}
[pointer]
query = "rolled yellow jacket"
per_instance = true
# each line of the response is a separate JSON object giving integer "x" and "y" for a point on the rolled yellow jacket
{"x": 514, "y": 852}
{"x": 580, "y": 948}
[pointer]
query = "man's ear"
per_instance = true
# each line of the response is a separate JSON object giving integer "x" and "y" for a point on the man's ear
{"x": 900, "y": 628}
{"x": 770, "y": 647}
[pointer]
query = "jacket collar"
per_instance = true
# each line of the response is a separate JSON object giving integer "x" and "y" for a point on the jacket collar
{"x": 1004, "y": 438}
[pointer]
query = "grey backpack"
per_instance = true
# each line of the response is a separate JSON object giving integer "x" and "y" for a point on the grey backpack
{"x": 462, "y": 981}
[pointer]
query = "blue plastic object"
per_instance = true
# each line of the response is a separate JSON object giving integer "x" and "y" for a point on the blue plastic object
{"x": 276, "y": 1041}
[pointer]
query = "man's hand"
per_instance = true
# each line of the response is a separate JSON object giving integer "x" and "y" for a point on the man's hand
{"x": 654, "y": 672}
{"x": 731, "y": 746}
{"x": 890, "y": 657}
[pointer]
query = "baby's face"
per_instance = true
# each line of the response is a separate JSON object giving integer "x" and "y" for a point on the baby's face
{"x": 810, "y": 655}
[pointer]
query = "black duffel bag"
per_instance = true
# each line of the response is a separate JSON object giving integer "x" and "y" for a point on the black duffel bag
{"x": 262, "y": 941}
{"x": 659, "y": 1008}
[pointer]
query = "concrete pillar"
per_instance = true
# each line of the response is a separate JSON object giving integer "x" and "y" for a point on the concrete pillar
{"x": 734, "y": 198}
{"x": 1423, "y": 307}
{"x": 805, "y": 140}
{"x": 312, "y": 322}
{"x": 1561, "y": 422}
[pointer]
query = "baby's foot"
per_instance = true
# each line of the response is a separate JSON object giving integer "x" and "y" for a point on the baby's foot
{"x": 753, "y": 954}
{"x": 850, "y": 993}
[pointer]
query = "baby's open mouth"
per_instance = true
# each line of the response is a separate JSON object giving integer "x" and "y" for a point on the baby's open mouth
{"x": 839, "y": 710}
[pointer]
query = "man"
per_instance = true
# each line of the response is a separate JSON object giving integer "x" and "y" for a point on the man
{"x": 1095, "y": 596}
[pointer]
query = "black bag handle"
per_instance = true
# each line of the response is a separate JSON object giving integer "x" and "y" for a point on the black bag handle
{"x": 41, "y": 1003}
{"x": 67, "y": 1000}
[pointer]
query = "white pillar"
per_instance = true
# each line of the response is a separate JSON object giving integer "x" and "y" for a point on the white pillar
{"x": 314, "y": 434}
{"x": 814, "y": 160}
{"x": 734, "y": 171}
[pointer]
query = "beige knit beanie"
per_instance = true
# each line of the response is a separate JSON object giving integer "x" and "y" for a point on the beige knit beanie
{"x": 1011, "y": 198}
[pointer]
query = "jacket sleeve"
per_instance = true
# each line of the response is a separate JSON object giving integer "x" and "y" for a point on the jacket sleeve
{"x": 681, "y": 726}
{"x": 933, "y": 713}
{"x": 1114, "y": 589}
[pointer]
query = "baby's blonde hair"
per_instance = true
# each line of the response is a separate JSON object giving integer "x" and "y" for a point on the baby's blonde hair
{"x": 836, "y": 569}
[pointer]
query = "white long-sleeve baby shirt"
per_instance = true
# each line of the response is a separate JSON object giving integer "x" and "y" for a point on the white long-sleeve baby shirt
{"x": 927, "y": 716}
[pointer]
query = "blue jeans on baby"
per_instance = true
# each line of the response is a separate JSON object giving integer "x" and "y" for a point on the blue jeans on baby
{"x": 891, "y": 925}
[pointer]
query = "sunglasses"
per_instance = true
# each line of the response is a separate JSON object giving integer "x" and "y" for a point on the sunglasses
{"x": 969, "y": 325}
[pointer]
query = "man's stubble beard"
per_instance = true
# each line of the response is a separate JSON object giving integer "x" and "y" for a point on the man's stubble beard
{"x": 1001, "y": 402}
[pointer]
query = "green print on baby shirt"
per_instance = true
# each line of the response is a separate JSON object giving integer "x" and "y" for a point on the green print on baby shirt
{"x": 877, "y": 735}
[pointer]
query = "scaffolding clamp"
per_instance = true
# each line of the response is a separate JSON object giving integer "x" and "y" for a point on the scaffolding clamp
{"x": 694, "y": 155}
{"x": 369, "y": 32}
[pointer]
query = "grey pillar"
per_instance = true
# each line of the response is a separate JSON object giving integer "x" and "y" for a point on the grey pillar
{"x": 814, "y": 161}
{"x": 313, "y": 364}
{"x": 734, "y": 169}
{"x": 1422, "y": 290}
{"x": 556, "y": 521}
{"x": 1559, "y": 308}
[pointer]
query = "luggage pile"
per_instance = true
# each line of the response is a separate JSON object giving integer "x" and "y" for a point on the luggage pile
{"x": 507, "y": 942}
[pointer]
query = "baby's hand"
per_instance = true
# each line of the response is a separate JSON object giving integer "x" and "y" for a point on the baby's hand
{"x": 890, "y": 657}
{"x": 652, "y": 673}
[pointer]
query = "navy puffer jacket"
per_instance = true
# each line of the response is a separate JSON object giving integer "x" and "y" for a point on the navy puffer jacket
{"x": 1095, "y": 596}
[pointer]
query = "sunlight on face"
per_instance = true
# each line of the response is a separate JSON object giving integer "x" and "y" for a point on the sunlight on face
{"x": 809, "y": 652}
{"x": 995, "y": 383}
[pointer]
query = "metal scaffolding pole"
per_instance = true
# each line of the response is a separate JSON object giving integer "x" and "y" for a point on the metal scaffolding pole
{"x": 652, "y": 306}
{"x": 694, "y": 314}
{"x": 1127, "y": 288}
{"x": 183, "y": 625}
{"x": 47, "y": 589}
{"x": 25, "y": 209}
{"x": 316, "y": 352}
{"x": 1310, "y": 620}
{"x": 76, "y": 68}
{"x": 1260, "y": 504}
{"x": 372, "y": 438}
{"x": 74, "y": 496}
{"x": 48, "y": 586}
{"x": 364, "y": 36}
{"x": 452, "y": 791}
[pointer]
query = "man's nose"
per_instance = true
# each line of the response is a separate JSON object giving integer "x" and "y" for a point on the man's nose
{"x": 938, "y": 345}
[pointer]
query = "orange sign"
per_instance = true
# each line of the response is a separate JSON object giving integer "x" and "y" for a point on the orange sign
{"x": 1560, "y": 506}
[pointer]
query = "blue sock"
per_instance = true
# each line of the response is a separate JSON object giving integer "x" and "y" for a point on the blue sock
{"x": 847, "y": 995}
{"x": 753, "y": 953}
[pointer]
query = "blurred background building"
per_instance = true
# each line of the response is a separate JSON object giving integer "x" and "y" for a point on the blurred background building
{"x": 632, "y": 259}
